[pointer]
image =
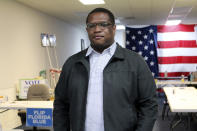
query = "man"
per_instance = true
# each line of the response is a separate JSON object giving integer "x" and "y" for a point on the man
{"x": 106, "y": 87}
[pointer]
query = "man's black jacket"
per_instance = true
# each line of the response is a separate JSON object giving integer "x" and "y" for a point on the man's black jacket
{"x": 129, "y": 99}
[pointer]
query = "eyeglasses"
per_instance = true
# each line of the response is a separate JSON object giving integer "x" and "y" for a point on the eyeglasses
{"x": 101, "y": 25}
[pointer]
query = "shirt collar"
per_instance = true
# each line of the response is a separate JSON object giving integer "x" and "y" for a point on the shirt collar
{"x": 111, "y": 49}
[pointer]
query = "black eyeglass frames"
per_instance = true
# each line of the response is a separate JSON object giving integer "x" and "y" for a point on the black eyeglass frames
{"x": 102, "y": 25}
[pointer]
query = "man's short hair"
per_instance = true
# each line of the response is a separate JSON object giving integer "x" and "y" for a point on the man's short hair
{"x": 110, "y": 14}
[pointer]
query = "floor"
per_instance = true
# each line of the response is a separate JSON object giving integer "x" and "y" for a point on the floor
{"x": 160, "y": 125}
{"x": 164, "y": 125}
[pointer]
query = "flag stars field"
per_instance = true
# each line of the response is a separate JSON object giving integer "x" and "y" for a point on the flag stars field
{"x": 127, "y": 31}
{"x": 145, "y": 47}
{"x": 127, "y": 42}
{"x": 139, "y": 32}
{"x": 152, "y": 63}
{"x": 151, "y": 41}
{"x": 140, "y": 53}
{"x": 142, "y": 41}
{"x": 133, "y": 37}
{"x": 151, "y": 52}
{"x": 133, "y": 48}
{"x": 145, "y": 36}
{"x": 151, "y": 30}
{"x": 145, "y": 58}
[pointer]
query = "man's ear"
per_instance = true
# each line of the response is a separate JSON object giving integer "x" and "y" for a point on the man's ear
{"x": 114, "y": 28}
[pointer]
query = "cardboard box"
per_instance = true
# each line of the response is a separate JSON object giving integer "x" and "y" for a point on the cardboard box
{"x": 194, "y": 76}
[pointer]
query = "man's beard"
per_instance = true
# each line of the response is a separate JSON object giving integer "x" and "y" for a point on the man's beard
{"x": 100, "y": 47}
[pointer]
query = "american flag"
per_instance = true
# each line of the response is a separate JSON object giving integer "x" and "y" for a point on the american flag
{"x": 143, "y": 41}
{"x": 175, "y": 48}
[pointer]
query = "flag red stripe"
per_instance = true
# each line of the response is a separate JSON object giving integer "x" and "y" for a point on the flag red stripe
{"x": 177, "y": 44}
{"x": 175, "y": 28}
{"x": 174, "y": 74}
{"x": 183, "y": 59}
{"x": 177, "y": 59}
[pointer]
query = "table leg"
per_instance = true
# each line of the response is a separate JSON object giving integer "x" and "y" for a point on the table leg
{"x": 189, "y": 116}
{"x": 172, "y": 124}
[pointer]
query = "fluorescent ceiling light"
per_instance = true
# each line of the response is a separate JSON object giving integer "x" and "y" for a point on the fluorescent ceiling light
{"x": 92, "y": 2}
{"x": 173, "y": 22}
{"x": 120, "y": 27}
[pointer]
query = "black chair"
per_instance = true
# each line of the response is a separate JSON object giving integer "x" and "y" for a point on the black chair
{"x": 165, "y": 106}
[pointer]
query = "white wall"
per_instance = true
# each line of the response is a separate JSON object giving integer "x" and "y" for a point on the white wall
{"x": 21, "y": 53}
{"x": 120, "y": 37}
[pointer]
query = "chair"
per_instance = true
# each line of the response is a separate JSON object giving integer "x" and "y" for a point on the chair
{"x": 165, "y": 105}
{"x": 36, "y": 92}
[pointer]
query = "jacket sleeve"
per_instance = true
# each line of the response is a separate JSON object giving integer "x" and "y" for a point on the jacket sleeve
{"x": 61, "y": 103}
{"x": 146, "y": 104}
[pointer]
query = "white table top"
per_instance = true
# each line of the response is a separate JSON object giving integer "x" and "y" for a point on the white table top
{"x": 182, "y": 99}
{"x": 26, "y": 104}
{"x": 165, "y": 82}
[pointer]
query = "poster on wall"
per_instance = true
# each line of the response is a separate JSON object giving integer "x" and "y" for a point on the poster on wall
{"x": 24, "y": 85}
{"x": 52, "y": 40}
{"x": 44, "y": 39}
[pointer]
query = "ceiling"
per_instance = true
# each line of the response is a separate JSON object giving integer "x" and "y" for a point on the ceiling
{"x": 128, "y": 12}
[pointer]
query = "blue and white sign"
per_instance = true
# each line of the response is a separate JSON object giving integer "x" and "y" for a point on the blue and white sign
{"x": 39, "y": 117}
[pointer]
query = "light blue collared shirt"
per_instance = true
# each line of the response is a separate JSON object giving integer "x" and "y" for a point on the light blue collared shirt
{"x": 94, "y": 108}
